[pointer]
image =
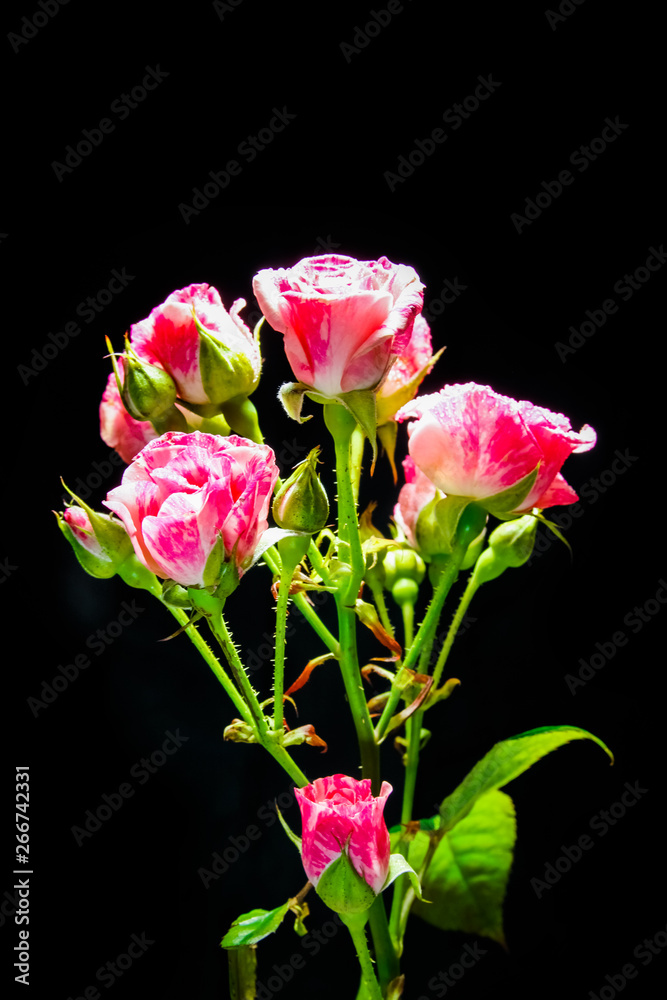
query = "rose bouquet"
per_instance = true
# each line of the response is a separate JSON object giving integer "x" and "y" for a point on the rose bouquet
{"x": 191, "y": 517}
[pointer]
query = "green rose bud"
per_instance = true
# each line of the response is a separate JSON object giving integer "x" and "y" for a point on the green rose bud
{"x": 301, "y": 503}
{"x": 147, "y": 391}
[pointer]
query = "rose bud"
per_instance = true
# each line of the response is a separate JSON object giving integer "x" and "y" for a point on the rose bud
{"x": 75, "y": 525}
{"x": 195, "y": 505}
{"x": 510, "y": 545}
{"x": 301, "y": 503}
{"x": 505, "y": 454}
{"x": 118, "y": 429}
{"x": 404, "y": 570}
{"x": 345, "y": 846}
{"x": 102, "y": 546}
{"x": 147, "y": 391}
{"x": 344, "y": 321}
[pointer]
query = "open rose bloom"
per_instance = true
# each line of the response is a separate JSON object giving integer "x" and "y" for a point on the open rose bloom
{"x": 344, "y": 321}
{"x": 472, "y": 442}
{"x": 184, "y": 491}
{"x": 340, "y": 813}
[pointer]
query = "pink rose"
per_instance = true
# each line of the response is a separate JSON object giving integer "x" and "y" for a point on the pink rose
{"x": 209, "y": 367}
{"x": 118, "y": 429}
{"x": 184, "y": 491}
{"x": 472, "y": 442}
{"x": 344, "y": 320}
{"x": 407, "y": 372}
{"x": 412, "y": 498}
{"x": 341, "y": 814}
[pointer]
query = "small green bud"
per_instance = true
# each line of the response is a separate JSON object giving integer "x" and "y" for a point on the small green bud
{"x": 402, "y": 564}
{"x": 510, "y": 545}
{"x": 301, "y": 503}
{"x": 147, "y": 391}
{"x": 514, "y": 540}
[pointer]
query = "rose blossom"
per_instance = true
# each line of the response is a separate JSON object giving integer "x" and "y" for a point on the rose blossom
{"x": 472, "y": 442}
{"x": 203, "y": 371}
{"x": 340, "y": 813}
{"x": 183, "y": 491}
{"x": 412, "y": 498}
{"x": 344, "y": 321}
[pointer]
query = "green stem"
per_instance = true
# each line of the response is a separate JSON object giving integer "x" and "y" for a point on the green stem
{"x": 341, "y": 425}
{"x": 317, "y": 562}
{"x": 218, "y": 627}
{"x": 421, "y": 648}
{"x": 377, "y": 591}
{"x": 388, "y": 711}
{"x": 281, "y": 756}
{"x": 423, "y": 642}
{"x": 300, "y": 601}
{"x": 413, "y": 732}
{"x": 211, "y": 659}
{"x": 408, "y": 612}
{"x": 355, "y": 924}
{"x": 279, "y": 753}
{"x": 413, "y": 726}
{"x": 292, "y": 551}
{"x": 356, "y": 696}
{"x": 385, "y": 954}
{"x": 279, "y": 660}
{"x": 468, "y": 594}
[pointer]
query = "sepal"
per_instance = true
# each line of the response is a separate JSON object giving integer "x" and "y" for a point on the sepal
{"x": 399, "y": 866}
{"x": 342, "y": 889}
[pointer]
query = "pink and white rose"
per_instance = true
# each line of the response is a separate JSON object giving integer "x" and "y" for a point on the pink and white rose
{"x": 212, "y": 369}
{"x": 472, "y": 442}
{"x": 344, "y": 321}
{"x": 341, "y": 814}
{"x": 184, "y": 491}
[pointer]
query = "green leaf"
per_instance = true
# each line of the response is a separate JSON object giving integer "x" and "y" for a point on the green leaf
{"x": 399, "y": 866}
{"x": 251, "y": 927}
{"x": 243, "y": 973}
{"x": 506, "y": 761}
{"x": 467, "y": 878}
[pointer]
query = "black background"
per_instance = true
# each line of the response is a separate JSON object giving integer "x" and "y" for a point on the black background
{"x": 320, "y": 186}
